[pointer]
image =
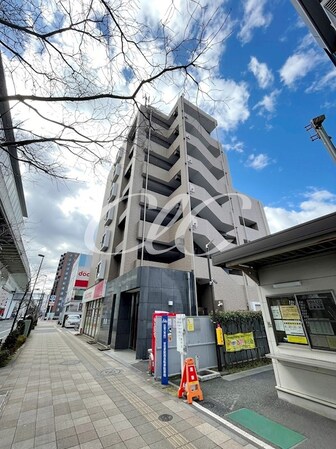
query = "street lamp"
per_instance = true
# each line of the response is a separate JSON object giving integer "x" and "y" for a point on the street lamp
{"x": 212, "y": 291}
{"x": 32, "y": 292}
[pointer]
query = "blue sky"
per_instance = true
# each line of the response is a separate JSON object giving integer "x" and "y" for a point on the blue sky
{"x": 270, "y": 78}
{"x": 284, "y": 70}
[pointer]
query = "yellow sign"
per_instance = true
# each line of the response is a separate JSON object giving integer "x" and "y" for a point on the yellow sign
{"x": 239, "y": 342}
{"x": 289, "y": 313}
{"x": 190, "y": 325}
{"x": 297, "y": 339}
{"x": 219, "y": 336}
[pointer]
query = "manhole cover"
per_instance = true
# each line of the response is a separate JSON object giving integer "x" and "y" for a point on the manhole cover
{"x": 70, "y": 362}
{"x": 110, "y": 372}
{"x": 165, "y": 417}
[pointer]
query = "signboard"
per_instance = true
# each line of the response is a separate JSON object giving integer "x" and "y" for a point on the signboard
{"x": 95, "y": 292}
{"x": 180, "y": 333}
{"x": 290, "y": 312}
{"x": 190, "y": 325}
{"x": 239, "y": 342}
{"x": 164, "y": 361}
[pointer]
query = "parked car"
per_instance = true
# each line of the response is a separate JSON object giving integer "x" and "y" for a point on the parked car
{"x": 72, "y": 321}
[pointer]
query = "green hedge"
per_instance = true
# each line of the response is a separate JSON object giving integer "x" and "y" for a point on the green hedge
{"x": 12, "y": 343}
{"x": 4, "y": 357}
{"x": 239, "y": 316}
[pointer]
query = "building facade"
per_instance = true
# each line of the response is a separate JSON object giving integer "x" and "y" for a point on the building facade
{"x": 14, "y": 266}
{"x": 169, "y": 206}
{"x": 320, "y": 18}
{"x": 61, "y": 283}
{"x": 78, "y": 283}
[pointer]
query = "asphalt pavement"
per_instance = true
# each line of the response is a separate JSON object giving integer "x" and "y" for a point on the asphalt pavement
{"x": 257, "y": 392}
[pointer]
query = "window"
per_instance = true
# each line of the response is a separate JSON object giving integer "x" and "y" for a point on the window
{"x": 306, "y": 319}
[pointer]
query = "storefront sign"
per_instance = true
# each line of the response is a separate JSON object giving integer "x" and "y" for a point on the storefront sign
{"x": 95, "y": 292}
{"x": 239, "y": 342}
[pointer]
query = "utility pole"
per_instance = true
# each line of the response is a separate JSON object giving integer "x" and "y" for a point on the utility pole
{"x": 316, "y": 124}
{"x": 212, "y": 290}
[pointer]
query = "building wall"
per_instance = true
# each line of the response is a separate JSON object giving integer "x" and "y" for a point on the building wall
{"x": 158, "y": 289}
{"x": 61, "y": 282}
{"x": 171, "y": 194}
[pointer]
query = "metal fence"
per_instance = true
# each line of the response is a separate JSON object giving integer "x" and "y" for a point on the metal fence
{"x": 254, "y": 324}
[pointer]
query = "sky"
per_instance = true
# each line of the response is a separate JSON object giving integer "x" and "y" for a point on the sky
{"x": 271, "y": 78}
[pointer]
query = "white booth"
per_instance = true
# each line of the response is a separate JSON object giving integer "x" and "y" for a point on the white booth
{"x": 296, "y": 272}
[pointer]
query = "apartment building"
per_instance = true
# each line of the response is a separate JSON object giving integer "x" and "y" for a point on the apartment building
{"x": 61, "y": 283}
{"x": 78, "y": 283}
{"x": 169, "y": 205}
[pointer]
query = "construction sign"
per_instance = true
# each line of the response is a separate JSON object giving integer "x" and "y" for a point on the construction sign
{"x": 239, "y": 342}
{"x": 189, "y": 385}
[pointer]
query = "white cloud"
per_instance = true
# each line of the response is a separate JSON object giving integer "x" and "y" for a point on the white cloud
{"x": 233, "y": 144}
{"x": 316, "y": 204}
{"x": 254, "y": 17}
{"x": 268, "y": 103}
{"x": 258, "y": 161}
{"x": 298, "y": 66}
{"x": 261, "y": 72}
{"x": 328, "y": 81}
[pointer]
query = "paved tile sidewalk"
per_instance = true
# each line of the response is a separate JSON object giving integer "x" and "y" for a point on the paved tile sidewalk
{"x": 63, "y": 393}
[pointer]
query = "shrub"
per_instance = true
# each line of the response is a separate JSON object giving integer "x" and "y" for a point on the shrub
{"x": 20, "y": 327}
{"x": 10, "y": 342}
{"x": 20, "y": 340}
{"x": 4, "y": 357}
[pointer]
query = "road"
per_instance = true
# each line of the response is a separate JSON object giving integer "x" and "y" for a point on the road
{"x": 5, "y": 326}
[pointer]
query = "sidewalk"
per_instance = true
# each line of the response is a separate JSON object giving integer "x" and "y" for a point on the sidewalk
{"x": 62, "y": 393}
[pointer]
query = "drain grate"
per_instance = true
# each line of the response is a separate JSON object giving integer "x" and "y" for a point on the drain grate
{"x": 70, "y": 362}
{"x": 165, "y": 417}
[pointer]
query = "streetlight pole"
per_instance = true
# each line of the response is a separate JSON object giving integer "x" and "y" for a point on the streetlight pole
{"x": 212, "y": 290}
{"x": 32, "y": 292}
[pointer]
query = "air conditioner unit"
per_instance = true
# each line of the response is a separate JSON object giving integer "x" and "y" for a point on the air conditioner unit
{"x": 188, "y": 136}
{"x": 119, "y": 155}
{"x": 177, "y": 177}
{"x": 117, "y": 171}
{"x": 100, "y": 272}
{"x": 105, "y": 240}
{"x": 191, "y": 188}
{"x": 109, "y": 216}
{"x": 329, "y": 7}
{"x": 113, "y": 192}
{"x": 177, "y": 152}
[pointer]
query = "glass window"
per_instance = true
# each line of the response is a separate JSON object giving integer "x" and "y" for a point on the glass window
{"x": 318, "y": 312}
{"x": 306, "y": 319}
{"x": 287, "y": 324}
